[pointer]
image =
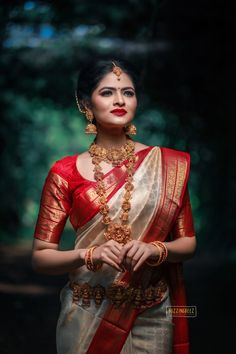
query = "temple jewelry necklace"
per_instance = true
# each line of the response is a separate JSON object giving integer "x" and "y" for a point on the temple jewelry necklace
{"x": 120, "y": 232}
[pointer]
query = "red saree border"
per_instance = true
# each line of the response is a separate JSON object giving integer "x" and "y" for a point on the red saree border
{"x": 175, "y": 173}
{"x": 117, "y": 323}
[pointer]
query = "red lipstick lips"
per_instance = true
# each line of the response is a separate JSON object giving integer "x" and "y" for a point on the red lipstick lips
{"x": 119, "y": 112}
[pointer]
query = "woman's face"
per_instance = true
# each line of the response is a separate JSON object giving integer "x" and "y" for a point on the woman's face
{"x": 110, "y": 95}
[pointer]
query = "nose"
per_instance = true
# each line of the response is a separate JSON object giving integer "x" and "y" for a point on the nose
{"x": 119, "y": 99}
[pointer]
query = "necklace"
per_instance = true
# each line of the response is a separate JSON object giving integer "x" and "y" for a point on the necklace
{"x": 112, "y": 155}
{"x": 119, "y": 231}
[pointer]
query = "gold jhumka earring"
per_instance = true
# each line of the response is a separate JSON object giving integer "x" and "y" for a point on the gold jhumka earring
{"x": 130, "y": 129}
{"x": 90, "y": 128}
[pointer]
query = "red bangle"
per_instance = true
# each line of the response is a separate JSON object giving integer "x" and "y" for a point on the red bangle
{"x": 88, "y": 259}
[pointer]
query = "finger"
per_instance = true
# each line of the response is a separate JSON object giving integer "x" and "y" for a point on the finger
{"x": 125, "y": 250}
{"x": 113, "y": 264}
{"x": 113, "y": 259}
{"x": 116, "y": 250}
{"x": 134, "y": 254}
{"x": 132, "y": 251}
{"x": 113, "y": 244}
{"x": 109, "y": 254}
{"x": 118, "y": 245}
{"x": 141, "y": 260}
{"x": 127, "y": 265}
{"x": 136, "y": 257}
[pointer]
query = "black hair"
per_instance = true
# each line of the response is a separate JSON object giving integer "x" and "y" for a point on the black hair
{"x": 92, "y": 72}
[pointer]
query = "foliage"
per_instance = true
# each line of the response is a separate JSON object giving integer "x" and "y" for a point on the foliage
{"x": 42, "y": 46}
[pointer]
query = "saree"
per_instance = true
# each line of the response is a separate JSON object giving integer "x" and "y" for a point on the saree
{"x": 160, "y": 210}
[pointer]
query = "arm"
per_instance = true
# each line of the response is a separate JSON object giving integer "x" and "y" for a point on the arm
{"x": 54, "y": 210}
{"x": 181, "y": 249}
{"x": 48, "y": 259}
{"x": 184, "y": 242}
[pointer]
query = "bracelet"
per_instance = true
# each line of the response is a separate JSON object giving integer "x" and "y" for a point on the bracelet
{"x": 163, "y": 254}
{"x": 88, "y": 259}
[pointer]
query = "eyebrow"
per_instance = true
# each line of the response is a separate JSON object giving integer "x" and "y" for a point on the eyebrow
{"x": 113, "y": 88}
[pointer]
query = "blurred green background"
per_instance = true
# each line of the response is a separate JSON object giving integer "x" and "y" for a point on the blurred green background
{"x": 184, "y": 54}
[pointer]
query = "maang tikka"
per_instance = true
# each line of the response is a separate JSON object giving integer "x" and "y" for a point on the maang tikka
{"x": 90, "y": 128}
{"x": 130, "y": 129}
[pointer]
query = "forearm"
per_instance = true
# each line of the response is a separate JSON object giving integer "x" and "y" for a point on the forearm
{"x": 50, "y": 261}
{"x": 181, "y": 249}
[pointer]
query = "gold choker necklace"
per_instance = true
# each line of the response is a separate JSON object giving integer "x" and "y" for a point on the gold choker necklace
{"x": 119, "y": 231}
{"x": 112, "y": 155}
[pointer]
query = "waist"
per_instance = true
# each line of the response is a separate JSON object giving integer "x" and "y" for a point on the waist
{"x": 119, "y": 294}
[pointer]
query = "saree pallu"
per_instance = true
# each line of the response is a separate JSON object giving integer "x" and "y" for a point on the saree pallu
{"x": 159, "y": 187}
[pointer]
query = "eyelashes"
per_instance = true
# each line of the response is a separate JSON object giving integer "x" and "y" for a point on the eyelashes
{"x": 126, "y": 93}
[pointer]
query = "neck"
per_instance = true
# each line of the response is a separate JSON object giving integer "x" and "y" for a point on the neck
{"x": 111, "y": 137}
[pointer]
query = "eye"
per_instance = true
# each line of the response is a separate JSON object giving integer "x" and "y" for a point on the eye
{"x": 129, "y": 93}
{"x": 106, "y": 93}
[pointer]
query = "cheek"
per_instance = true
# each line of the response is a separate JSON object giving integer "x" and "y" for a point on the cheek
{"x": 100, "y": 104}
{"x": 133, "y": 104}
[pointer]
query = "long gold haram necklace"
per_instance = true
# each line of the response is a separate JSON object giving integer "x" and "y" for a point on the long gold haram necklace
{"x": 120, "y": 232}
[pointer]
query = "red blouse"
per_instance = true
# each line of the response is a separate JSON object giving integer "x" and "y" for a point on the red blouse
{"x": 64, "y": 196}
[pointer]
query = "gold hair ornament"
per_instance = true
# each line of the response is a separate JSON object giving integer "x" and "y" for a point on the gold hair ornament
{"x": 116, "y": 70}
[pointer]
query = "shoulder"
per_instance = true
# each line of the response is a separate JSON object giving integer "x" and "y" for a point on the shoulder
{"x": 139, "y": 146}
{"x": 65, "y": 166}
{"x": 175, "y": 154}
{"x": 176, "y": 163}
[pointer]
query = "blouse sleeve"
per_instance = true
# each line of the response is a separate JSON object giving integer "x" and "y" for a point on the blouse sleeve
{"x": 54, "y": 210}
{"x": 183, "y": 226}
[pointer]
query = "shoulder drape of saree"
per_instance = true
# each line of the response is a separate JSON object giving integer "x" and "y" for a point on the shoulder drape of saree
{"x": 159, "y": 185}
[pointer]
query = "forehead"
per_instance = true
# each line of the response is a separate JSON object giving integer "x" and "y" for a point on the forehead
{"x": 110, "y": 79}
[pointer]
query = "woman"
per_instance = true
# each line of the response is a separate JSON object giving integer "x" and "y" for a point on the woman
{"x": 129, "y": 205}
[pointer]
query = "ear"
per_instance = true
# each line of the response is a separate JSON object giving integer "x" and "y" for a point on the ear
{"x": 86, "y": 104}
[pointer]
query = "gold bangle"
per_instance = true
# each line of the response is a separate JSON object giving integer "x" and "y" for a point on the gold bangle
{"x": 154, "y": 263}
{"x": 163, "y": 254}
{"x": 88, "y": 259}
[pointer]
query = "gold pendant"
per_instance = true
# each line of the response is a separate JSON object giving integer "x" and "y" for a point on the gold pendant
{"x": 118, "y": 232}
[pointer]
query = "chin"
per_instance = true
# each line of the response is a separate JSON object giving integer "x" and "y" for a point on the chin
{"x": 113, "y": 125}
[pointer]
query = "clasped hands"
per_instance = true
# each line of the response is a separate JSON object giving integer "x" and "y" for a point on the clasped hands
{"x": 129, "y": 257}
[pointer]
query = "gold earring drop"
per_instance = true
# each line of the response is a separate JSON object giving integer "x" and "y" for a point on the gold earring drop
{"x": 90, "y": 128}
{"x": 131, "y": 129}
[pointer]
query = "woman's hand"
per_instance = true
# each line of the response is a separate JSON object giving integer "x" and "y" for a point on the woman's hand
{"x": 109, "y": 253}
{"x": 135, "y": 253}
